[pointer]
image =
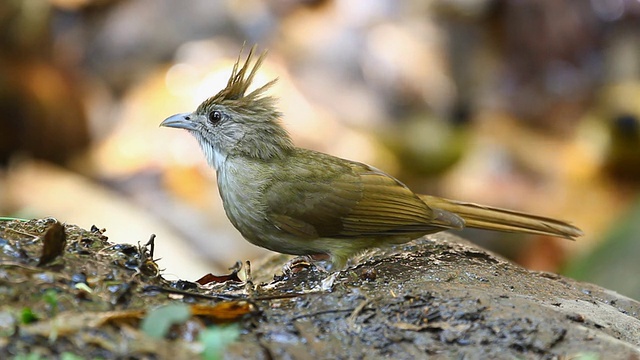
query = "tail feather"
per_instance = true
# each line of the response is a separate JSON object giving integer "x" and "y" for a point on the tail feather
{"x": 490, "y": 218}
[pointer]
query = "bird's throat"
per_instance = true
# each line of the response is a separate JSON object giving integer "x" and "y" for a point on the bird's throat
{"x": 215, "y": 158}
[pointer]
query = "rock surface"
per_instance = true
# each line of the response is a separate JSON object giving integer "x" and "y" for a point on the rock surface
{"x": 442, "y": 297}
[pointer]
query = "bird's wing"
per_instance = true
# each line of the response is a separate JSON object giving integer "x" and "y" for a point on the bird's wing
{"x": 335, "y": 198}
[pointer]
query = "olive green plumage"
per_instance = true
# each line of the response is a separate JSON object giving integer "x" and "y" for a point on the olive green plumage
{"x": 302, "y": 202}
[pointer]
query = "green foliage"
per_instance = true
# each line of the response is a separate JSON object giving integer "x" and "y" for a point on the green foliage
{"x": 27, "y": 316}
{"x": 70, "y": 356}
{"x": 611, "y": 263}
{"x": 216, "y": 338}
{"x": 36, "y": 356}
{"x": 8, "y": 218}
{"x": 158, "y": 321}
{"x": 51, "y": 298}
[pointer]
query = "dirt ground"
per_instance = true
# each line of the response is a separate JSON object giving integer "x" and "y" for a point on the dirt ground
{"x": 66, "y": 290}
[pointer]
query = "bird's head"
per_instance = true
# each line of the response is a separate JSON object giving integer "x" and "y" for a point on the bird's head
{"x": 232, "y": 123}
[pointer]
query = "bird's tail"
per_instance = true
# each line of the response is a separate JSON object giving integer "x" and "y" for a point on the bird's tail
{"x": 490, "y": 218}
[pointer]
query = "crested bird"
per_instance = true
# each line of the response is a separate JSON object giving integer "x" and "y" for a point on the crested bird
{"x": 303, "y": 202}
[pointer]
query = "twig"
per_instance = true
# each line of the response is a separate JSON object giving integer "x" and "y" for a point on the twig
{"x": 352, "y": 318}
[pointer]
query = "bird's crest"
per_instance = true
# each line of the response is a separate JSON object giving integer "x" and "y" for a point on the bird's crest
{"x": 239, "y": 82}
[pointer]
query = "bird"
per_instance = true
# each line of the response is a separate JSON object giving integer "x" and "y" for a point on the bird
{"x": 302, "y": 202}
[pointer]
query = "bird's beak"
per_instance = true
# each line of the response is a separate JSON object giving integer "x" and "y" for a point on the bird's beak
{"x": 180, "y": 121}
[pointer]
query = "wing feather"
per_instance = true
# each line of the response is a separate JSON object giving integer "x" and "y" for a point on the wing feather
{"x": 335, "y": 198}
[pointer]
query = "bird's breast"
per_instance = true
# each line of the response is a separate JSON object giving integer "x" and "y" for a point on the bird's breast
{"x": 241, "y": 185}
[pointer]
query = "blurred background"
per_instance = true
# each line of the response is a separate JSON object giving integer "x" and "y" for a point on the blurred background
{"x": 531, "y": 105}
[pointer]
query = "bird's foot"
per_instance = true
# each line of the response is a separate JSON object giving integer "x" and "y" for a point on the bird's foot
{"x": 321, "y": 262}
{"x": 327, "y": 283}
{"x": 299, "y": 263}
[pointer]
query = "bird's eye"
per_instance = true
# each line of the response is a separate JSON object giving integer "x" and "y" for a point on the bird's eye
{"x": 215, "y": 116}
